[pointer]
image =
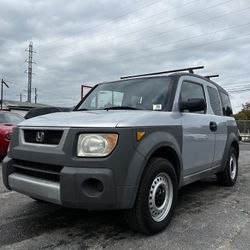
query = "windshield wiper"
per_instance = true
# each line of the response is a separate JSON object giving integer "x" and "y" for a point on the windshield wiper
{"x": 111, "y": 108}
{"x": 121, "y": 107}
{"x": 83, "y": 109}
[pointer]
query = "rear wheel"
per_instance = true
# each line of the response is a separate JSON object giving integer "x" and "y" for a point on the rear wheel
{"x": 156, "y": 198}
{"x": 229, "y": 176}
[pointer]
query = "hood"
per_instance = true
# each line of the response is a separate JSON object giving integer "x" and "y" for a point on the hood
{"x": 99, "y": 118}
{"x": 7, "y": 125}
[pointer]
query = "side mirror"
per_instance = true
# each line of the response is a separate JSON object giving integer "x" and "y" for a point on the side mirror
{"x": 193, "y": 105}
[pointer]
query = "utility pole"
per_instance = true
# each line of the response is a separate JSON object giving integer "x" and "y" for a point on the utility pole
{"x": 21, "y": 97}
{"x": 29, "y": 71}
{"x": 3, "y": 83}
{"x": 35, "y": 95}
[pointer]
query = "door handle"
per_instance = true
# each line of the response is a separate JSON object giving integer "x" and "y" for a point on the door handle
{"x": 213, "y": 126}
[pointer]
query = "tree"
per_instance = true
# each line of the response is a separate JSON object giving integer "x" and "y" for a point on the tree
{"x": 244, "y": 114}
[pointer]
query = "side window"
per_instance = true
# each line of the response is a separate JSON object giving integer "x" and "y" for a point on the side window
{"x": 190, "y": 90}
{"x": 226, "y": 105}
{"x": 214, "y": 100}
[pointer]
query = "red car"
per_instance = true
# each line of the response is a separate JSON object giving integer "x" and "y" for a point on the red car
{"x": 7, "y": 121}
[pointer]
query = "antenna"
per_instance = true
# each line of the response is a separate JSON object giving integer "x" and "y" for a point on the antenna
{"x": 190, "y": 70}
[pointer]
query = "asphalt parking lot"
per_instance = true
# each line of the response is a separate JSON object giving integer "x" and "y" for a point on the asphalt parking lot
{"x": 208, "y": 216}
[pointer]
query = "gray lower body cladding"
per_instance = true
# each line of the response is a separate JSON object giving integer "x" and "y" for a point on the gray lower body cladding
{"x": 40, "y": 189}
{"x": 86, "y": 188}
{"x": 88, "y": 183}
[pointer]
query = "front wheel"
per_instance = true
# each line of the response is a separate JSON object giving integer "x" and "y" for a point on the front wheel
{"x": 156, "y": 198}
{"x": 229, "y": 176}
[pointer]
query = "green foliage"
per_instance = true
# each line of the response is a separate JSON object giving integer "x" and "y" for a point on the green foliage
{"x": 244, "y": 114}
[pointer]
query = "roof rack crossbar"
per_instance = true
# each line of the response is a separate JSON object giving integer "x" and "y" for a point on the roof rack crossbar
{"x": 211, "y": 76}
{"x": 190, "y": 70}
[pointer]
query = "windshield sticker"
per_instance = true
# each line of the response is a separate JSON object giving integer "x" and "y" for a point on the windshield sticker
{"x": 157, "y": 107}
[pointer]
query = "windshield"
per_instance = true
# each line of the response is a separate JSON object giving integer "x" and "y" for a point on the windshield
{"x": 144, "y": 93}
{"x": 10, "y": 118}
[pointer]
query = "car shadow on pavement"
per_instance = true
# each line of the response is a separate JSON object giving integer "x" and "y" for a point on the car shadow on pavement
{"x": 42, "y": 217}
{"x": 197, "y": 196}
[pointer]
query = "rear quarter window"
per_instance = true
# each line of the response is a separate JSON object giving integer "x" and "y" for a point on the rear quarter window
{"x": 226, "y": 105}
{"x": 214, "y": 100}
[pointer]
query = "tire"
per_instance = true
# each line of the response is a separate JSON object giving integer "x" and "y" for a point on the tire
{"x": 156, "y": 198}
{"x": 229, "y": 176}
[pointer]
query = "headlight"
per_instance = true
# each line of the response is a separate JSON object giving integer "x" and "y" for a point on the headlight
{"x": 96, "y": 145}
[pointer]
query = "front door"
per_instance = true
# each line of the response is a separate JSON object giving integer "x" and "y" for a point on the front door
{"x": 198, "y": 138}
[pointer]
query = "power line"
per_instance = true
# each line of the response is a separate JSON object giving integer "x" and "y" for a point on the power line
{"x": 162, "y": 33}
{"x": 124, "y": 26}
{"x": 11, "y": 82}
{"x": 185, "y": 39}
{"x": 247, "y": 81}
{"x": 238, "y": 87}
{"x": 177, "y": 49}
{"x": 183, "y": 48}
{"x": 238, "y": 91}
{"x": 170, "y": 20}
{"x": 231, "y": 76}
{"x": 104, "y": 23}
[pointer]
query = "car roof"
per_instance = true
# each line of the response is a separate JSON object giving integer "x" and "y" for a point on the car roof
{"x": 8, "y": 112}
{"x": 45, "y": 110}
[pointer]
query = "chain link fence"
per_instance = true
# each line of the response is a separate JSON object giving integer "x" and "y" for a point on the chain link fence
{"x": 244, "y": 128}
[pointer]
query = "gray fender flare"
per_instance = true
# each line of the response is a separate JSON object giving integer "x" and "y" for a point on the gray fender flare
{"x": 230, "y": 140}
{"x": 143, "y": 153}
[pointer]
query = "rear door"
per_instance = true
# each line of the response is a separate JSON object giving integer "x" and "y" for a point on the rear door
{"x": 221, "y": 124}
{"x": 198, "y": 138}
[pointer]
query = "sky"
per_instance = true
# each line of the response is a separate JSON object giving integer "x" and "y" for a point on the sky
{"x": 86, "y": 42}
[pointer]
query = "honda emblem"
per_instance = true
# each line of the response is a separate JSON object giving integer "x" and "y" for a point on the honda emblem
{"x": 40, "y": 136}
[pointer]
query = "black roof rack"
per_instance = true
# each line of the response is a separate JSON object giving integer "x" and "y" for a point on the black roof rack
{"x": 190, "y": 70}
{"x": 211, "y": 76}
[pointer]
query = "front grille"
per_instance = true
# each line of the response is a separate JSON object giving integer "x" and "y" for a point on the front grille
{"x": 38, "y": 170}
{"x": 51, "y": 137}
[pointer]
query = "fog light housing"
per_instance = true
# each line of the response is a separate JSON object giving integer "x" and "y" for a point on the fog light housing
{"x": 92, "y": 187}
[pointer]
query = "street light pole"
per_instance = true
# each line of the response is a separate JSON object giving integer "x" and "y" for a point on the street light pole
{"x": 3, "y": 83}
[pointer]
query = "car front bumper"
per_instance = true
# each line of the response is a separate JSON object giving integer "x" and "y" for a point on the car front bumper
{"x": 85, "y": 188}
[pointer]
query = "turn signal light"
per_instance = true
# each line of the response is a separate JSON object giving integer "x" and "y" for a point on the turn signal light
{"x": 139, "y": 135}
